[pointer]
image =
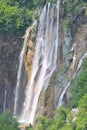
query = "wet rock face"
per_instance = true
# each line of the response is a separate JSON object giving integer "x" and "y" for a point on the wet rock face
{"x": 10, "y": 46}
{"x": 72, "y": 46}
{"x": 29, "y": 54}
{"x": 72, "y": 51}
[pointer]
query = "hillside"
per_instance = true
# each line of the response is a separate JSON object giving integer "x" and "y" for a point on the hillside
{"x": 43, "y": 64}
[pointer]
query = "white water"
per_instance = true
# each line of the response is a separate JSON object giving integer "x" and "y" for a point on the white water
{"x": 5, "y": 97}
{"x": 21, "y": 56}
{"x": 19, "y": 73}
{"x": 62, "y": 94}
{"x": 69, "y": 83}
{"x": 44, "y": 62}
{"x": 81, "y": 61}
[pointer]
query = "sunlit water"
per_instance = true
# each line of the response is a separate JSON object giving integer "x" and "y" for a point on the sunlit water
{"x": 44, "y": 62}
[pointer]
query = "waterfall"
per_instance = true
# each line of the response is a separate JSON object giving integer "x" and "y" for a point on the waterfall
{"x": 21, "y": 56}
{"x": 44, "y": 62}
{"x": 62, "y": 94}
{"x": 81, "y": 61}
{"x": 69, "y": 83}
{"x": 5, "y": 97}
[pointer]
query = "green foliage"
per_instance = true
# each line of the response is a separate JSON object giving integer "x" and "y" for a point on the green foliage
{"x": 16, "y": 15}
{"x": 82, "y": 116}
{"x": 83, "y": 102}
{"x": 79, "y": 8}
{"x": 84, "y": 64}
{"x": 67, "y": 24}
{"x": 7, "y": 122}
{"x": 40, "y": 3}
{"x": 65, "y": 119}
{"x": 67, "y": 127}
{"x": 72, "y": 9}
{"x": 69, "y": 6}
{"x": 79, "y": 88}
{"x": 60, "y": 117}
{"x": 53, "y": 124}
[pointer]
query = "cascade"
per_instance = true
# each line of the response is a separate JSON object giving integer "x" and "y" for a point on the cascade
{"x": 44, "y": 62}
{"x": 18, "y": 83}
{"x": 80, "y": 61}
{"x": 69, "y": 83}
{"x": 20, "y": 72}
{"x": 5, "y": 97}
{"x": 62, "y": 94}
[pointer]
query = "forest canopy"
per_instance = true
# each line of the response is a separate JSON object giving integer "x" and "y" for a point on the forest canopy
{"x": 17, "y": 15}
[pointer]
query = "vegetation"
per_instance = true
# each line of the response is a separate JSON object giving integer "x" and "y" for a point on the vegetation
{"x": 79, "y": 89}
{"x": 7, "y": 122}
{"x": 53, "y": 124}
{"x": 66, "y": 119}
{"x": 73, "y": 9}
{"x": 17, "y": 15}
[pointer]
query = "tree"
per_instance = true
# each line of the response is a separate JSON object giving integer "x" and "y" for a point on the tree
{"x": 7, "y": 122}
{"x": 79, "y": 88}
{"x": 60, "y": 117}
{"x": 15, "y": 16}
{"x": 82, "y": 115}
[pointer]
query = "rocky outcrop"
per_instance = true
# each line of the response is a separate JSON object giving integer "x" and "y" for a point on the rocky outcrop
{"x": 29, "y": 53}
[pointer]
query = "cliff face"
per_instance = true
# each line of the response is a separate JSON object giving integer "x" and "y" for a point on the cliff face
{"x": 29, "y": 53}
{"x": 10, "y": 47}
{"x": 70, "y": 51}
{"x": 72, "y": 46}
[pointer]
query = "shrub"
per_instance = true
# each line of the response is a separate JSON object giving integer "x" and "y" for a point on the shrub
{"x": 7, "y": 122}
{"x": 79, "y": 88}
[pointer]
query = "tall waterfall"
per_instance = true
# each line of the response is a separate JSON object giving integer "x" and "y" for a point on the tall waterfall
{"x": 20, "y": 67}
{"x": 19, "y": 73}
{"x": 44, "y": 62}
